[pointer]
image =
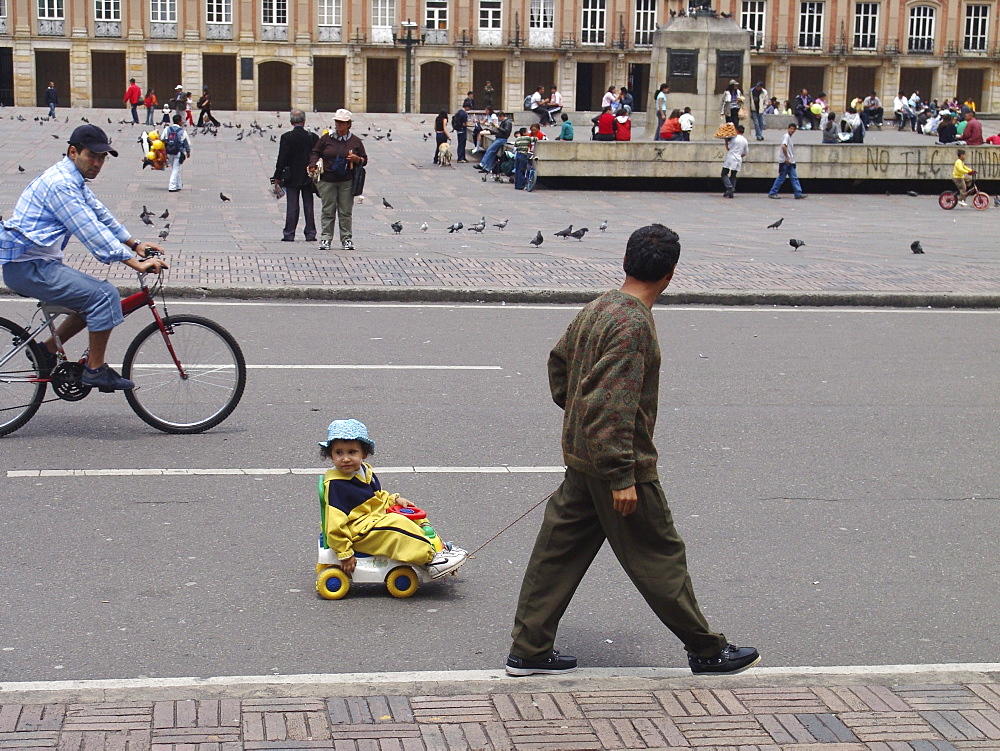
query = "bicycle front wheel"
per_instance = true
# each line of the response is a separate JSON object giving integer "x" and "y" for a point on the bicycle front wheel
{"x": 199, "y": 395}
{"x": 21, "y": 387}
{"x": 532, "y": 180}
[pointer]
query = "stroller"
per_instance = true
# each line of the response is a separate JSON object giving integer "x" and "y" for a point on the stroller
{"x": 503, "y": 167}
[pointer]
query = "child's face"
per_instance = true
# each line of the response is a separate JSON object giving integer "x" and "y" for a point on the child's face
{"x": 347, "y": 455}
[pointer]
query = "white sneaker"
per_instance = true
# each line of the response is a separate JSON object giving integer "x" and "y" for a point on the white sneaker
{"x": 962, "y": 203}
{"x": 446, "y": 561}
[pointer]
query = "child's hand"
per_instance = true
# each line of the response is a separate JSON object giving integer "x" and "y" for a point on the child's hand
{"x": 349, "y": 564}
{"x": 400, "y": 501}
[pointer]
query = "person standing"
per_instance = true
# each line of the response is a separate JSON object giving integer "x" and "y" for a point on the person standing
{"x": 737, "y": 148}
{"x": 786, "y": 166}
{"x": 488, "y": 94}
{"x": 341, "y": 152}
{"x": 178, "y": 151}
{"x": 52, "y": 100}
{"x": 758, "y": 102}
{"x": 290, "y": 173}
{"x": 149, "y": 101}
{"x": 732, "y": 98}
{"x": 523, "y": 144}
{"x": 469, "y": 100}
{"x": 133, "y": 95}
{"x": 57, "y": 205}
{"x": 661, "y": 110}
{"x": 205, "y": 105}
{"x": 460, "y": 123}
{"x": 180, "y": 100}
{"x": 604, "y": 375}
{"x": 440, "y": 134}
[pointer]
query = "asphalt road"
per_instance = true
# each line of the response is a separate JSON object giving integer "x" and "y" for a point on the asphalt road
{"x": 833, "y": 471}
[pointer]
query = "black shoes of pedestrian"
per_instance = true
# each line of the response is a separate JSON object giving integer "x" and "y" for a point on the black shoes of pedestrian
{"x": 106, "y": 379}
{"x": 554, "y": 664}
{"x": 729, "y": 661}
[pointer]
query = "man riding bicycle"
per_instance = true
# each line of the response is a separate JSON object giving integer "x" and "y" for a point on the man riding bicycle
{"x": 56, "y": 205}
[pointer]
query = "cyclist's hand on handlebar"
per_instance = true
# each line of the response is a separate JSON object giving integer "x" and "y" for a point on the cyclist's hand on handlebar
{"x": 149, "y": 250}
{"x": 147, "y": 265}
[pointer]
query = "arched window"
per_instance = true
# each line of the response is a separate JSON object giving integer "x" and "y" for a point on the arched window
{"x": 921, "y": 29}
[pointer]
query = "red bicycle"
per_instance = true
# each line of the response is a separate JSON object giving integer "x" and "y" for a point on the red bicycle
{"x": 949, "y": 199}
{"x": 189, "y": 372}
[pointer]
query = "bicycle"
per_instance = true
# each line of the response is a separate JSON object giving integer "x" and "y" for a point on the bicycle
{"x": 532, "y": 177}
{"x": 189, "y": 372}
{"x": 949, "y": 199}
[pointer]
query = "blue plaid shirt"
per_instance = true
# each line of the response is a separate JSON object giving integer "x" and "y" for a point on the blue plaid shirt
{"x": 56, "y": 205}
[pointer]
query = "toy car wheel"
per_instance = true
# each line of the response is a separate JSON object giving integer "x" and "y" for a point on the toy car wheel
{"x": 948, "y": 200}
{"x": 332, "y": 583}
{"x": 981, "y": 201}
{"x": 402, "y": 582}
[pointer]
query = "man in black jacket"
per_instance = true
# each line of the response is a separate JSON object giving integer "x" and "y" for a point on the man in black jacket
{"x": 290, "y": 173}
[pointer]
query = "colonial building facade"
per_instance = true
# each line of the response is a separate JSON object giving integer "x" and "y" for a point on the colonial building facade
{"x": 424, "y": 55}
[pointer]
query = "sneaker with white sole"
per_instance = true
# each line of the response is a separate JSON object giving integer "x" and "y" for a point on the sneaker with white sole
{"x": 962, "y": 203}
{"x": 446, "y": 561}
{"x": 554, "y": 664}
{"x": 348, "y": 245}
{"x": 324, "y": 244}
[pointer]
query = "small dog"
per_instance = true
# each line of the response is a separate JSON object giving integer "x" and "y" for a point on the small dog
{"x": 444, "y": 154}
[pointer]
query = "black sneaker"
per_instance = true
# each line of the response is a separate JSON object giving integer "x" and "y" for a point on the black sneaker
{"x": 553, "y": 664}
{"x": 106, "y": 379}
{"x": 47, "y": 361}
{"x": 729, "y": 661}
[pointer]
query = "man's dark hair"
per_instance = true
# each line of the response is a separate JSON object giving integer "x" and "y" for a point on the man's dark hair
{"x": 651, "y": 253}
{"x": 178, "y": 119}
{"x": 740, "y": 129}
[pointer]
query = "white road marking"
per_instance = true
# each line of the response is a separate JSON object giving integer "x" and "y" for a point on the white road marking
{"x": 332, "y": 367}
{"x": 190, "y": 472}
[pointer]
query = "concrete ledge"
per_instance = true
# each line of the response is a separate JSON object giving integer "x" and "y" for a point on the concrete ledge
{"x": 523, "y": 118}
{"x": 638, "y": 159}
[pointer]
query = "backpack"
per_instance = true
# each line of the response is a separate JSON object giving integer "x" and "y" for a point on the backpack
{"x": 456, "y": 123}
{"x": 173, "y": 140}
{"x": 202, "y": 102}
{"x": 527, "y": 101}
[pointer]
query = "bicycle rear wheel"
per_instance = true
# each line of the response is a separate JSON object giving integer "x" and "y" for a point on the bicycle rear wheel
{"x": 532, "y": 180}
{"x": 21, "y": 390}
{"x": 208, "y": 390}
{"x": 948, "y": 200}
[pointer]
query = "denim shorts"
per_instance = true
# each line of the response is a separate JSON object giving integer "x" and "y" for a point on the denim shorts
{"x": 54, "y": 282}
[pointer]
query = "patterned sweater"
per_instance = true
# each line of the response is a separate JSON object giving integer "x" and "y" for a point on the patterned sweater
{"x": 605, "y": 374}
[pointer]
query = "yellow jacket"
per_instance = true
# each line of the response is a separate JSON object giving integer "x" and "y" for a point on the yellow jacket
{"x": 960, "y": 170}
{"x": 353, "y": 504}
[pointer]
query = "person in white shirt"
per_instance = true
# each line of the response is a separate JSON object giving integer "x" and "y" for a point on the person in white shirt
{"x": 538, "y": 103}
{"x": 758, "y": 103}
{"x": 661, "y": 109}
{"x": 901, "y": 108}
{"x": 687, "y": 123}
{"x": 737, "y": 148}
{"x": 555, "y": 105}
{"x": 610, "y": 99}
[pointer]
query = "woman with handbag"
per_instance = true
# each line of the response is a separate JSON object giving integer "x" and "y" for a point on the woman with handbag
{"x": 341, "y": 153}
{"x": 732, "y": 100}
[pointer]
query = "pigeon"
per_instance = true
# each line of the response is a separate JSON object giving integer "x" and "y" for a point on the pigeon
{"x": 20, "y": 168}
{"x": 538, "y": 240}
{"x": 165, "y": 214}
{"x": 579, "y": 233}
{"x": 604, "y": 226}
{"x": 996, "y": 201}
{"x": 163, "y": 233}
{"x": 422, "y": 122}
{"x": 224, "y": 197}
{"x": 912, "y": 193}
{"x": 145, "y": 211}
{"x": 426, "y": 136}
{"x": 55, "y": 136}
{"x": 455, "y": 227}
{"x": 502, "y": 224}
{"x": 397, "y": 227}
{"x": 386, "y": 203}
{"x": 776, "y": 224}
{"x": 478, "y": 226}
{"x": 916, "y": 247}
{"x": 379, "y": 138}
{"x": 423, "y": 227}
{"x": 566, "y": 232}
{"x": 796, "y": 244}
{"x": 109, "y": 121}
{"x": 85, "y": 120}
{"x": 146, "y": 220}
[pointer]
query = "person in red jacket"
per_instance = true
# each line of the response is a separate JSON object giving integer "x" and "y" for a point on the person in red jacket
{"x": 671, "y": 130}
{"x": 623, "y": 124}
{"x": 133, "y": 95}
{"x": 605, "y": 123}
{"x": 973, "y": 135}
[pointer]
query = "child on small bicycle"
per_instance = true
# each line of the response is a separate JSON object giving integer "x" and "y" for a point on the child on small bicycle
{"x": 357, "y": 516}
{"x": 960, "y": 176}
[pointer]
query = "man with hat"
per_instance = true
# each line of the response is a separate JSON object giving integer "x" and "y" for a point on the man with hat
{"x": 342, "y": 152}
{"x": 180, "y": 100}
{"x": 56, "y": 205}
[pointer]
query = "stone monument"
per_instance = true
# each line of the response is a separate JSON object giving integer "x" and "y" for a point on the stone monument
{"x": 698, "y": 54}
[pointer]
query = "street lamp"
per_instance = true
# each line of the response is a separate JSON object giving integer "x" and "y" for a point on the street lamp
{"x": 410, "y": 42}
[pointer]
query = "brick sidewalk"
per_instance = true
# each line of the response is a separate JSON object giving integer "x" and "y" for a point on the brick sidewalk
{"x": 856, "y": 245}
{"x": 827, "y": 716}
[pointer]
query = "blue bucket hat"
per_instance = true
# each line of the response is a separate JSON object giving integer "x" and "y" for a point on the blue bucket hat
{"x": 348, "y": 430}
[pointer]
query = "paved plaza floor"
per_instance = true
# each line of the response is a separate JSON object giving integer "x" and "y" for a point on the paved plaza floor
{"x": 857, "y": 245}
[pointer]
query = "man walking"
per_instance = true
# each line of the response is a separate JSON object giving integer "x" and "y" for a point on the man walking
{"x": 604, "y": 374}
{"x": 290, "y": 173}
{"x": 661, "y": 110}
{"x": 758, "y": 102}
{"x": 52, "y": 100}
{"x": 786, "y": 166}
{"x": 205, "y": 105}
{"x": 736, "y": 149}
{"x": 133, "y": 95}
{"x": 178, "y": 149}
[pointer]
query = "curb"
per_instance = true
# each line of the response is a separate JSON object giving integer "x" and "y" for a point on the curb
{"x": 466, "y": 682}
{"x": 789, "y": 298}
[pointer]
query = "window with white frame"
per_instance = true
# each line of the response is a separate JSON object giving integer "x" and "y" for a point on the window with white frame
{"x": 865, "y": 26}
{"x": 163, "y": 11}
{"x": 274, "y": 12}
{"x": 107, "y": 10}
{"x": 3, "y": 8}
{"x": 752, "y": 19}
{"x": 921, "y": 29}
{"x": 51, "y": 10}
{"x": 542, "y": 14}
{"x": 594, "y": 19}
{"x": 437, "y": 14}
{"x": 811, "y": 26}
{"x": 329, "y": 12}
{"x": 976, "y": 19}
{"x": 645, "y": 21}
{"x": 490, "y": 14}
{"x": 219, "y": 11}
{"x": 383, "y": 13}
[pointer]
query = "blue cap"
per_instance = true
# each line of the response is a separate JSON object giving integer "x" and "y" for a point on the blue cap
{"x": 348, "y": 430}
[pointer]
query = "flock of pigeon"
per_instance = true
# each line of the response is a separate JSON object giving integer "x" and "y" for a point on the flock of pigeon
{"x": 915, "y": 246}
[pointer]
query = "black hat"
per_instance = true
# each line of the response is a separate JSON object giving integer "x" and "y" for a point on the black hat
{"x": 93, "y": 138}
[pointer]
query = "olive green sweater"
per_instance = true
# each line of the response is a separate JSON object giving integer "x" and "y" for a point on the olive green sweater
{"x": 605, "y": 374}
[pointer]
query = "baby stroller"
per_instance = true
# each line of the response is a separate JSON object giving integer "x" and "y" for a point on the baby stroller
{"x": 503, "y": 167}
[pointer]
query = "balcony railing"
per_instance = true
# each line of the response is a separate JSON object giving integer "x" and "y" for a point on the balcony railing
{"x": 920, "y": 46}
